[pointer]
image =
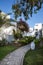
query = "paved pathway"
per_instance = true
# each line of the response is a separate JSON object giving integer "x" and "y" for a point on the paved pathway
{"x": 16, "y": 57}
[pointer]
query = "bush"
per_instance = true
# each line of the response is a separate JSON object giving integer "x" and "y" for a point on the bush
{"x": 37, "y": 42}
{"x": 26, "y": 40}
{"x": 2, "y": 42}
{"x": 41, "y": 41}
{"x": 23, "y": 42}
{"x": 30, "y": 39}
{"x": 17, "y": 35}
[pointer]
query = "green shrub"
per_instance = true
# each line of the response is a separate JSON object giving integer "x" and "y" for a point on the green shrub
{"x": 37, "y": 42}
{"x": 23, "y": 42}
{"x": 2, "y": 42}
{"x": 41, "y": 39}
{"x": 30, "y": 39}
{"x": 17, "y": 35}
{"x": 26, "y": 40}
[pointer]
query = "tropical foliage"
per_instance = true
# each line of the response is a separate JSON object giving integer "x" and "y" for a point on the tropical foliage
{"x": 26, "y": 40}
{"x": 17, "y": 35}
{"x": 27, "y": 7}
{"x": 3, "y": 19}
{"x": 37, "y": 43}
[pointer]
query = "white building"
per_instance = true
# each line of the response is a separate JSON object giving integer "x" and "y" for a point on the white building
{"x": 30, "y": 29}
{"x": 38, "y": 26}
{"x": 5, "y": 15}
{"x": 7, "y": 33}
{"x": 30, "y": 33}
{"x": 36, "y": 31}
{"x": 14, "y": 24}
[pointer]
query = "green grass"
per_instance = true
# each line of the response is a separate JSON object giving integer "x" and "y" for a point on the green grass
{"x": 34, "y": 57}
{"x": 5, "y": 50}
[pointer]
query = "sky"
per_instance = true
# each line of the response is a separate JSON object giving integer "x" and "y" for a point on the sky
{"x": 6, "y": 6}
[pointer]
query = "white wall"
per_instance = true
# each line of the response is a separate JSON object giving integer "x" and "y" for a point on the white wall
{"x": 7, "y": 33}
{"x": 4, "y": 14}
{"x": 32, "y": 31}
{"x": 14, "y": 24}
{"x": 38, "y": 26}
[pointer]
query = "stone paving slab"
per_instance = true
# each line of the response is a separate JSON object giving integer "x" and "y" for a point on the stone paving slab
{"x": 16, "y": 57}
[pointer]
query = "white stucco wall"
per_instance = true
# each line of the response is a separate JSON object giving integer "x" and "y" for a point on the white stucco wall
{"x": 38, "y": 26}
{"x": 7, "y": 33}
{"x": 14, "y": 24}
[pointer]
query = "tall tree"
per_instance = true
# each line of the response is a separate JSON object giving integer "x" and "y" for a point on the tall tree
{"x": 27, "y": 7}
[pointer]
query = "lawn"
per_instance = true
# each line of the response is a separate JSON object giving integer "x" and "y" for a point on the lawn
{"x": 5, "y": 50}
{"x": 34, "y": 57}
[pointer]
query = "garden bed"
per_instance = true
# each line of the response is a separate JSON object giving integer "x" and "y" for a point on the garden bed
{"x": 34, "y": 57}
{"x": 4, "y": 50}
